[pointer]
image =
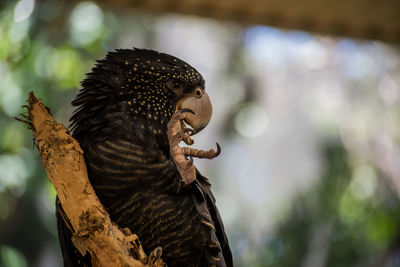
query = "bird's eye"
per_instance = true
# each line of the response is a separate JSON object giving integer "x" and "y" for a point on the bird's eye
{"x": 174, "y": 85}
{"x": 198, "y": 92}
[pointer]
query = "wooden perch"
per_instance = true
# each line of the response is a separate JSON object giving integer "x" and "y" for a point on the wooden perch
{"x": 94, "y": 232}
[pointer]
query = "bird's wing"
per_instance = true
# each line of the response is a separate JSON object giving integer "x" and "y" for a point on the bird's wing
{"x": 209, "y": 202}
{"x": 72, "y": 257}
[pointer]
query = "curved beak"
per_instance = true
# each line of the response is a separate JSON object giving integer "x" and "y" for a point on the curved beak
{"x": 202, "y": 108}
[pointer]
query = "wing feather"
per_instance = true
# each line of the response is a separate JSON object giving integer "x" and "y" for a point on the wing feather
{"x": 72, "y": 257}
{"x": 205, "y": 191}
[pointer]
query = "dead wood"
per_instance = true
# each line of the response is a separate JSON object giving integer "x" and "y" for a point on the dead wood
{"x": 94, "y": 232}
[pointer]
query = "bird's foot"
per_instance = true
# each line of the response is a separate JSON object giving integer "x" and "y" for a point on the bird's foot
{"x": 176, "y": 134}
{"x": 183, "y": 156}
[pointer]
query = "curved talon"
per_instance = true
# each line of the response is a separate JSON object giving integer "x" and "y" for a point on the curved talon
{"x": 186, "y": 110}
{"x": 181, "y": 136}
{"x": 190, "y": 163}
{"x": 189, "y": 131}
{"x": 218, "y": 150}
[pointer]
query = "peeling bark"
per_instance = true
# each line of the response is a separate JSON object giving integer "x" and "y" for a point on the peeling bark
{"x": 94, "y": 232}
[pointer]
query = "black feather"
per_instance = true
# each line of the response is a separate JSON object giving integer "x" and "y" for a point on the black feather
{"x": 120, "y": 122}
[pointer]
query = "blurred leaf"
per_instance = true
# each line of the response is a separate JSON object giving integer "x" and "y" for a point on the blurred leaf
{"x": 12, "y": 137}
{"x": 66, "y": 67}
{"x": 381, "y": 229}
{"x": 11, "y": 257}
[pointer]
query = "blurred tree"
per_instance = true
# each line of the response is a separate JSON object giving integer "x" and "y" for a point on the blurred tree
{"x": 332, "y": 226}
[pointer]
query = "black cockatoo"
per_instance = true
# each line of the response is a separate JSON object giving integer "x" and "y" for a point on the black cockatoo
{"x": 134, "y": 109}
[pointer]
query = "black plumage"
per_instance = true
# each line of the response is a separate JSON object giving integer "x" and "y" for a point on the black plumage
{"x": 121, "y": 124}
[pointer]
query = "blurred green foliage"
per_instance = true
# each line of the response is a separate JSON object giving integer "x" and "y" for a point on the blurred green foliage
{"x": 343, "y": 220}
{"x": 37, "y": 53}
{"x": 331, "y": 226}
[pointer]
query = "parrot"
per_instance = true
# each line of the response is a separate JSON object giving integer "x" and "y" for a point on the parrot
{"x": 133, "y": 110}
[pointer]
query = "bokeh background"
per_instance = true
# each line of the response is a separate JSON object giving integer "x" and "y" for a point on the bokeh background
{"x": 309, "y": 125}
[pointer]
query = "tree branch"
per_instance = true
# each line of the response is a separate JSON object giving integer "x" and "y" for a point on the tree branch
{"x": 62, "y": 157}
